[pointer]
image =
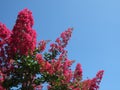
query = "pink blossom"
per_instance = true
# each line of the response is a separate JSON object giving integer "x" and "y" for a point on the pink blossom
{"x": 78, "y": 72}
{"x": 39, "y": 58}
{"x": 61, "y": 41}
{"x": 67, "y": 76}
{"x": 23, "y": 38}
{"x": 4, "y": 32}
{"x": 93, "y": 84}
{"x": 42, "y": 45}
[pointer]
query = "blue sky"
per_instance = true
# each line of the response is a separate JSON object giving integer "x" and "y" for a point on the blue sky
{"x": 95, "y": 42}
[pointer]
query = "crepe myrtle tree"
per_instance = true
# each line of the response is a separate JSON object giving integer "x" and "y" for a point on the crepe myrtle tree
{"x": 25, "y": 64}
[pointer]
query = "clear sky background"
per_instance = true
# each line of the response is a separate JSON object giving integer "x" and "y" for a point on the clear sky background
{"x": 95, "y": 42}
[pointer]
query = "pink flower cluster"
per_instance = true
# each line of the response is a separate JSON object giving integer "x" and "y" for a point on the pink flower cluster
{"x": 23, "y": 38}
{"x": 62, "y": 41}
{"x": 93, "y": 84}
{"x": 78, "y": 72}
{"x": 61, "y": 67}
{"x": 21, "y": 41}
{"x": 5, "y": 35}
{"x": 4, "y": 32}
{"x": 42, "y": 45}
{"x": 64, "y": 38}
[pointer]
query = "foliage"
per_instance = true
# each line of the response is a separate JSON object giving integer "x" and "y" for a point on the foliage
{"x": 25, "y": 65}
